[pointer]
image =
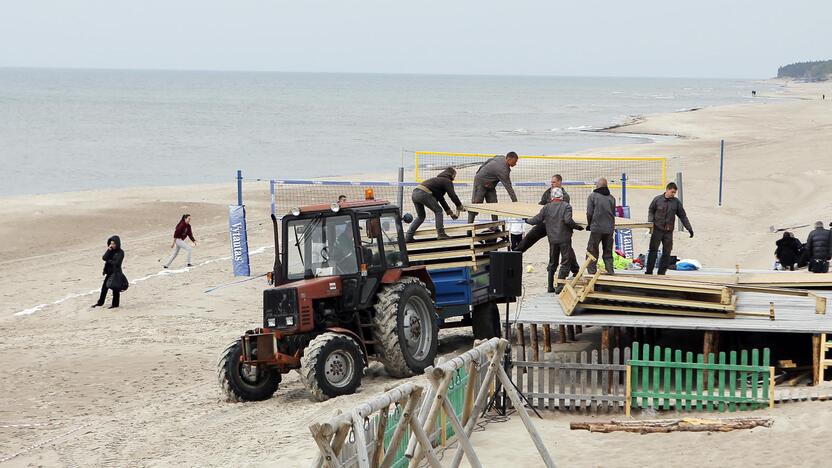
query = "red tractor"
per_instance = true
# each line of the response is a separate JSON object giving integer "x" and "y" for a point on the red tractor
{"x": 344, "y": 292}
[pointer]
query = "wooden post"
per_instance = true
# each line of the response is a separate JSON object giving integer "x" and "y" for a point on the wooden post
{"x": 470, "y": 386}
{"x": 817, "y": 360}
{"x": 771, "y": 387}
{"x": 579, "y": 329}
{"x": 329, "y": 457}
{"x": 628, "y": 392}
{"x": 360, "y": 441}
{"x": 547, "y": 338}
{"x": 430, "y": 418}
{"x": 570, "y": 332}
{"x": 521, "y": 336}
{"x": 605, "y": 338}
{"x": 616, "y": 341}
{"x": 378, "y": 454}
{"x": 534, "y": 343}
{"x": 562, "y": 333}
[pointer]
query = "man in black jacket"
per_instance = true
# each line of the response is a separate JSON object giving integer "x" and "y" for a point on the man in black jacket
{"x": 662, "y": 213}
{"x": 496, "y": 169}
{"x": 557, "y": 216}
{"x": 431, "y": 193}
{"x": 539, "y": 231}
{"x": 600, "y": 219}
{"x": 819, "y": 249}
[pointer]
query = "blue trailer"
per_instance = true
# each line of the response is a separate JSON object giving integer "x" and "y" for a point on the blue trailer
{"x": 462, "y": 292}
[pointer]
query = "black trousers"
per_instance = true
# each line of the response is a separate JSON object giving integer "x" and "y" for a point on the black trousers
{"x": 564, "y": 251}
{"x": 539, "y": 232}
{"x": 665, "y": 238}
{"x": 103, "y": 296}
{"x": 606, "y": 241}
{"x": 421, "y": 199}
{"x": 482, "y": 194}
{"x": 516, "y": 239}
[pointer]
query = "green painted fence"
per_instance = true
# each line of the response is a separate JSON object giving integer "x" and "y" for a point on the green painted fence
{"x": 444, "y": 431}
{"x": 667, "y": 381}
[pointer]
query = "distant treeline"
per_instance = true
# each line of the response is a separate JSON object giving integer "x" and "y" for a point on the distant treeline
{"x": 809, "y": 71}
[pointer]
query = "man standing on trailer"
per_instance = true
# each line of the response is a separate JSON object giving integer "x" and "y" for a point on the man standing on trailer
{"x": 662, "y": 213}
{"x": 539, "y": 232}
{"x": 496, "y": 169}
{"x": 557, "y": 216}
{"x": 600, "y": 222}
{"x": 431, "y": 193}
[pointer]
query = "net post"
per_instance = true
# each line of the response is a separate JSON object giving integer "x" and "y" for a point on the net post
{"x": 623, "y": 189}
{"x": 400, "y": 189}
{"x": 271, "y": 193}
{"x": 721, "y": 161}
{"x": 239, "y": 187}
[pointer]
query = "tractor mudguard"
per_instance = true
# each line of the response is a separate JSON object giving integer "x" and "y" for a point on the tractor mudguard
{"x": 357, "y": 339}
{"x": 420, "y": 272}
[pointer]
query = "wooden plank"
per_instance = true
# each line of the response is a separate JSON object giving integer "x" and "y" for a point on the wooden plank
{"x": 616, "y": 358}
{"x": 530, "y": 381}
{"x": 479, "y": 263}
{"x": 633, "y": 370}
{"x": 721, "y": 377}
{"x": 593, "y": 385}
{"x": 732, "y": 379}
{"x": 817, "y": 356}
{"x": 625, "y": 362}
{"x": 660, "y": 301}
{"x": 460, "y": 253}
{"x": 456, "y": 241}
{"x": 542, "y": 377}
{"x": 644, "y": 310}
{"x": 583, "y": 404}
{"x": 528, "y": 210}
{"x": 574, "y": 365}
{"x": 562, "y": 333}
{"x": 430, "y": 231}
{"x": 553, "y": 374}
{"x": 628, "y": 393}
{"x": 547, "y": 338}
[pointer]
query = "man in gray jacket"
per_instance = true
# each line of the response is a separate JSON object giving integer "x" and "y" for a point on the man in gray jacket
{"x": 600, "y": 221}
{"x": 496, "y": 169}
{"x": 557, "y": 216}
{"x": 662, "y": 213}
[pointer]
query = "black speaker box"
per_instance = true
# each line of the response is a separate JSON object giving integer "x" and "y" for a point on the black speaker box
{"x": 505, "y": 273}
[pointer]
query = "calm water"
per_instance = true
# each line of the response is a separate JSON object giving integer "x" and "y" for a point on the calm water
{"x": 66, "y": 130}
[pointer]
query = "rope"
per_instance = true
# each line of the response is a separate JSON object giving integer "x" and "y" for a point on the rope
{"x": 41, "y": 444}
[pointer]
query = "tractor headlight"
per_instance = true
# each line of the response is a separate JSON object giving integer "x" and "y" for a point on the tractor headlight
{"x": 272, "y": 322}
{"x": 296, "y": 211}
{"x": 290, "y": 321}
{"x": 335, "y": 207}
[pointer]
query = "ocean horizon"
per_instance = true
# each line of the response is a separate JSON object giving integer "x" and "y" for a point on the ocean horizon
{"x": 79, "y": 129}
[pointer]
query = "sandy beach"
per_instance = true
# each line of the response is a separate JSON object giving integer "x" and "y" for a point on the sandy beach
{"x": 137, "y": 386}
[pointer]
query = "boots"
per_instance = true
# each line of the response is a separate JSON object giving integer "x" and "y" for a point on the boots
{"x": 550, "y": 281}
{"x": 562, "y": 274}
{"x": 440, "y": 235}
{"x": 608, "y": 264}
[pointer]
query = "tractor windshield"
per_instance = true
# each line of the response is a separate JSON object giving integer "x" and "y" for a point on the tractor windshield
{"x": 320, "y": 246}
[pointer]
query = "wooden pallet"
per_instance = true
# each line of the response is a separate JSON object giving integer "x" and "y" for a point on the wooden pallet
{"x": 468, "y": 245}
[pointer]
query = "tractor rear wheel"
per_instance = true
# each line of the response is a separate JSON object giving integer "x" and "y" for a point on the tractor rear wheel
{"x": 405, "y": 331}
{"x": 243, "y": 382}
{"x": 332, "y": 365}
{"x": 485, "y": 321}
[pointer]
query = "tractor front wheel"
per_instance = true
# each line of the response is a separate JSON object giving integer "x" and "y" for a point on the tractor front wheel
{"x": 243, "y": 382}
{"x": 332, "y": 365}
{"x": 405, "y": 331}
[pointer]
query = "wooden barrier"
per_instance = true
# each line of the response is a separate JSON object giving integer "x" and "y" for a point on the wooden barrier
{"x": 587, "y": 381}
{"x": 667, "y": 381}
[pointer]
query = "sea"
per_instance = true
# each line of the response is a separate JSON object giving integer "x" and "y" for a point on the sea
{"x": 70, "y": 130}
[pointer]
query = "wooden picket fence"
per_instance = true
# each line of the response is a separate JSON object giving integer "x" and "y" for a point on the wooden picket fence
{"x": 667, "y": 381}
{"x": 586, "y": 381}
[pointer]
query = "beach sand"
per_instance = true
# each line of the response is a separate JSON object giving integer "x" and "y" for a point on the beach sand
{"x": 137, "y": 385}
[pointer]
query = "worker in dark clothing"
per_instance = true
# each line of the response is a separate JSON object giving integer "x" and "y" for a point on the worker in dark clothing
{"x": 819, "y": 249}
{"x": 539, "y": 231}
{"x": 662, "y": 213}
{"x": 431, "y": 193}
{"x": 788, "y": 251}
{"x": 557, "y": 216}
{"x": 496, "y": 169}
{"x": 600, "y": 221}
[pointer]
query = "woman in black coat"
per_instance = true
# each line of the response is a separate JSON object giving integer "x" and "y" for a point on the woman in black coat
{"x": 788, "y": 251}
{"x": 113, "y": 276}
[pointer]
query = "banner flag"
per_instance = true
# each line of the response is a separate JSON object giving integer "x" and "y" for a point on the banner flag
{"x": 239, "y": 240}
{"x": 624, "y": 237}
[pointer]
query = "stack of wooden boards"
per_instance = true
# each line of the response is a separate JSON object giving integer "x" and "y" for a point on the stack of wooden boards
{"x": 665, "y": 296}
{"x": 468, "y": 246}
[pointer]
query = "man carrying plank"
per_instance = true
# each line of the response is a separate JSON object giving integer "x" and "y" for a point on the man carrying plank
{"x": 431, "y": 193}
{"x": 600, "y": 222}
{"x": 662, "y": 213}
{"x": 539, "y": 232}
{"x": 496, "y": 169}
{"x": 557, "y": 217}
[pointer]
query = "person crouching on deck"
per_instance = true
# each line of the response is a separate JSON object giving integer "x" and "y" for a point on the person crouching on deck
{"x": 431, "y": 193}
{"x": 557, "y": 216}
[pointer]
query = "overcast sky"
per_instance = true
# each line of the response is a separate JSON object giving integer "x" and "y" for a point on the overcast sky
{"x": 675, "y": 38}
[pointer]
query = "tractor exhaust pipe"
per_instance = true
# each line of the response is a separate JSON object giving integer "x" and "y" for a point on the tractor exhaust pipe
{"x": 277, "y": 272}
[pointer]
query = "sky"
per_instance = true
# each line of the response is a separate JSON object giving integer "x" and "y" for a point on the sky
{"x": 669, "y": 38}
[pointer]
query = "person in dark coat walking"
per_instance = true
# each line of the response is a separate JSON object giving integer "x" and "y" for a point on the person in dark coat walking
{"x": 663, "y": 211}
{"x": 819, "y": 249}
{"x": 788, "y": 251}
{"x": 431, "y": 193}
{"x": 496, "y": 169}
{"x": 600, "y": 221}
{"x": 557, "y": 216}
{"x": 114, "y": 278}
